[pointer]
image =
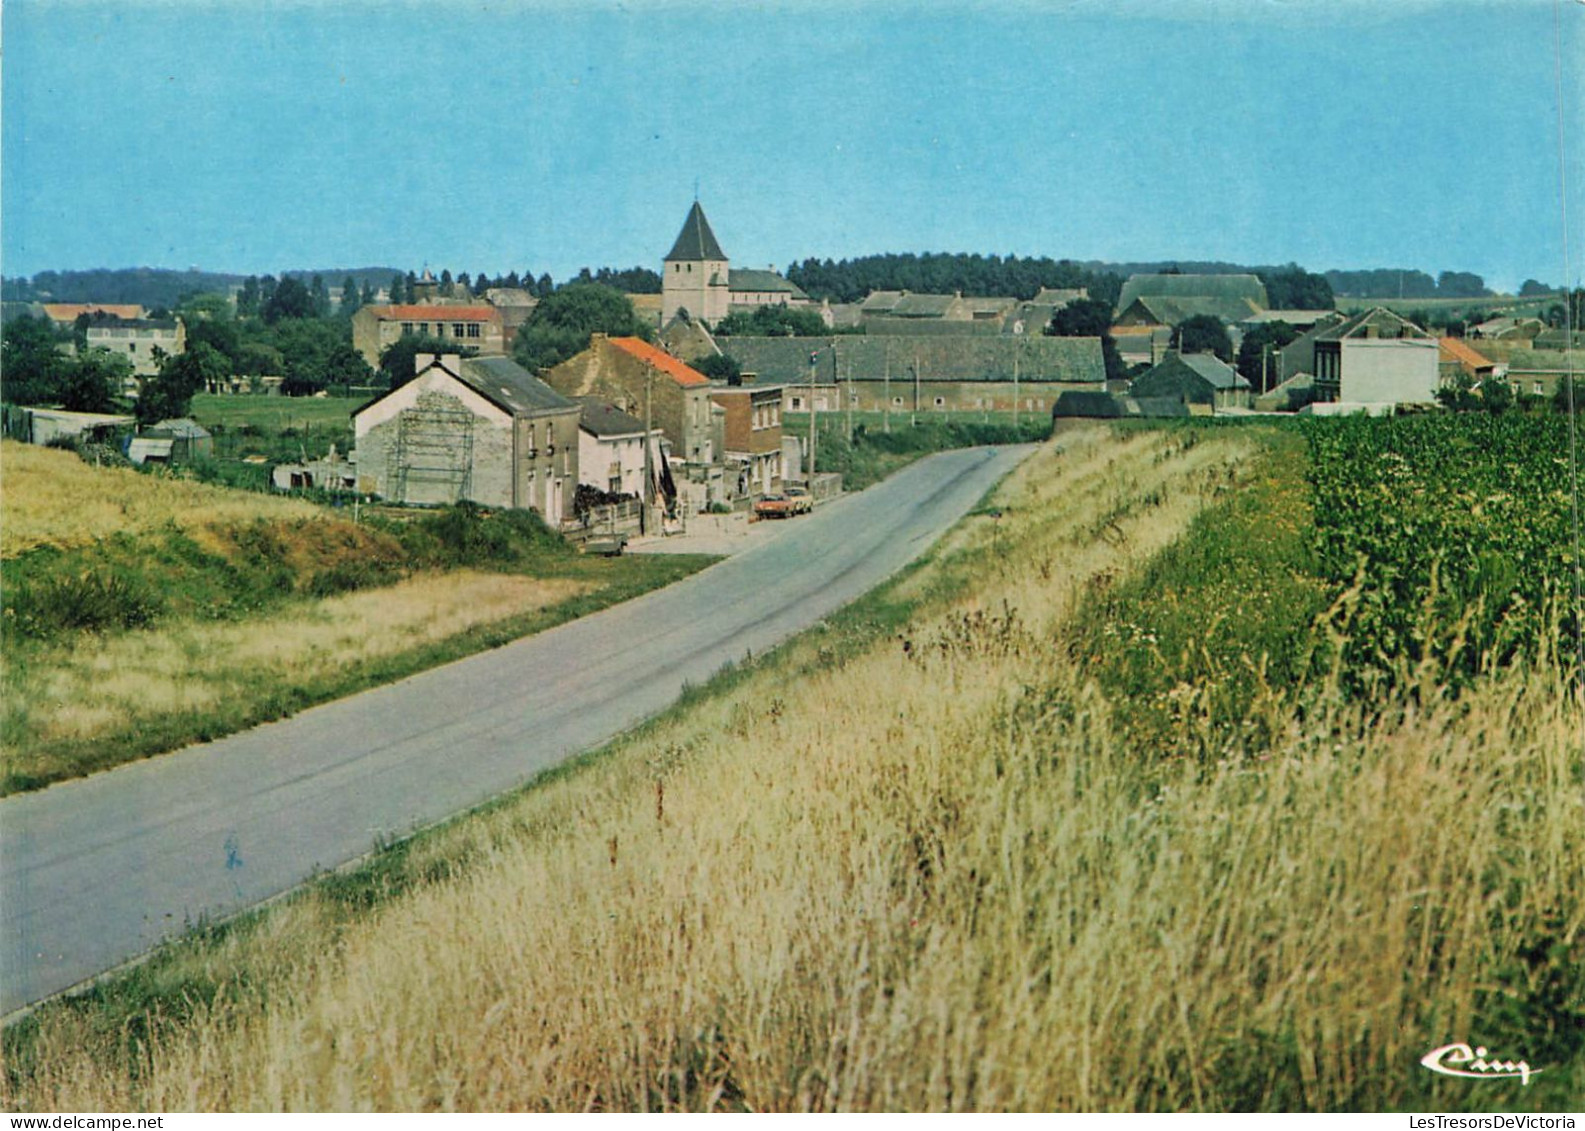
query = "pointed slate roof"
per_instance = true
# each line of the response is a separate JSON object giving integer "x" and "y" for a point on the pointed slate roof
{"x": 696, "y": 242}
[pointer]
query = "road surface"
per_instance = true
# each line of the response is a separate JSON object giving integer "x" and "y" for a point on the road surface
{"x": 98, "y": 871}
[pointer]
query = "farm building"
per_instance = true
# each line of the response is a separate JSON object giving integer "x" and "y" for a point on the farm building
{"x": 480, "y": 428}
{"x": 41, "y": 425}
{"x": 924, "y": 372}
{"x": 1194, "y": 379}
{"x": 1166, "y": 300}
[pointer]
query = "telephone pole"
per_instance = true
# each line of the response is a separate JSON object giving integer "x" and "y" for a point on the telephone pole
{"x": 649, "y": 466}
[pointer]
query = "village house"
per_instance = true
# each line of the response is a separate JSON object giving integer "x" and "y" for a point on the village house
{"x": 630, "y": 373}
{"x": 611, "y": 448}
{"x": 1457, "y": 356}
{"x": 752, "y": 437}
{"x": 477, "y": 327}
{"x": 65, "y": 314}
{"x": 697, "y": 277}
{"x": 482, "y": 429}
{"x": 1375, "y": 357}
{"x": 142, "y": 341}
{"x": 949, "y": 373}
{"x": 1199, "y": 380}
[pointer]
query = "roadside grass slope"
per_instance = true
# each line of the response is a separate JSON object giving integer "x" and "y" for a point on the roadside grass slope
{"x": 923, "y": 860}
{"x": 189, "y": 611}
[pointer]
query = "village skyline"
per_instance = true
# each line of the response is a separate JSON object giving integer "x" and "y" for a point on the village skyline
{"x": 551, "y": 137}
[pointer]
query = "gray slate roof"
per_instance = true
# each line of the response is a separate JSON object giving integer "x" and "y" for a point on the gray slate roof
{"x": 1165, "y": 378}
{"x": 602, "y": 418}
{"x": 745, "y": 279}
{"x": 1168, "y": 310}
{"x": 504, "y": 382}
{"x": 943, "y": 357}
{"x": 1382, "y": 321}
{"x": 696, "y": 242}
{"x": 1193, "y": 286}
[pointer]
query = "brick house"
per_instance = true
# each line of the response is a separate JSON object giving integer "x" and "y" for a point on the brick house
{"x": 752, "y": 437}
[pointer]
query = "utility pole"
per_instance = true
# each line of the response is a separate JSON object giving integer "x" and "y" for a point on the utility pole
{"x": 1265, "y": 363}
{"x": 886, "y": 393}
{"x": 814, "y": 357}
{"x": 850, "y": 392}
{"x": 913, "y": 417}
{"x": 649, "y": 466}
{"x": 1018, "y": 350}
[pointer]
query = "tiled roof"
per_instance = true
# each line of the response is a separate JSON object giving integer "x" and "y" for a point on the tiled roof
{"x": 696, "y": 242}
{"x": 437, "y": 313}
{"x": 602, "y": 418}
{"x": 508, "y": 384}
{"x": 660, "y": 359}
{"x": 1193, "y": 286}
{"x": 741, "y": 279}
{"x": 69, "y": 311}
{"x": 1455, "y": 349}
{"x": 941, "y": 357}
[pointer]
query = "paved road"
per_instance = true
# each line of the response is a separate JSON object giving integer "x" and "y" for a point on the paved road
{"x": 98, "y": 871}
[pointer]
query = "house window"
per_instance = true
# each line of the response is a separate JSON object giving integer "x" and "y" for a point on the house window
{"x": 1535, "y": 388}
{"x": 473, "y": 329}
{"x": 797, "y": 404}
{"x": 407, "y": 328}
{"x": 132, "y": 347}
{"x": 456, "y": 330}
{"x": 423, "y": 328}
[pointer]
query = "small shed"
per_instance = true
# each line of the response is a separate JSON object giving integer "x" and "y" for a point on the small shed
{"x": 188, "y": 439}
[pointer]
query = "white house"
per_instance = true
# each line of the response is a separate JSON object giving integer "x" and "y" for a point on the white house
{"x": 478, "y": 428}
{"x": 611, "y": 448}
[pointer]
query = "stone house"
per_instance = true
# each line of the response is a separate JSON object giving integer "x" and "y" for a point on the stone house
{"x": 1194, "y": 379}
{"x": 627, "y": 372}
{"x": 142, "y": 341}
{"x": 1375, "y": 357}
{"x": 752, "y": 437}
{"x": 478, "y": 327}
{"x": 482, "y": 429}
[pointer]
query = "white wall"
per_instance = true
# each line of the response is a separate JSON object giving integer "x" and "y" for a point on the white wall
{"x": 1389, "y": 371}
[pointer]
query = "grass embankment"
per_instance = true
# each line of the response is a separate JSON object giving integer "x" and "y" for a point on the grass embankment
{"x": 880, "y": 445}
{"x": 170, "y": 612}
{"x": 922, "y": 860}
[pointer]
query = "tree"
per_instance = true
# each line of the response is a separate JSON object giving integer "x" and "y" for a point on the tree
{"x": 170, "y": 392}
{"x": 398, "y": 289}
{"x": 447, "y": 287}
{"x": 774, "y": 322}
{"x": 224, "y": 335}
{"x": 321, "y": 297}
{"x": 249, "y": 302}
{"x": 94, "y": 381}
{"x": 1530, "y": 288}
{"x": 720, "y": 367}
{"x": 366, "y": 297}
{"x": 1569, "y": 395}
{"x": 290, "y": 300}
{"x": 1254, "y": 353}
{"x": 563, "y": 321}
{"x": 1294, "y": 288}
{"x": 32, "y": 361}
{"x": 397, "y": 359}
{"x": 1203, "y": 333}
{"x": 1091, "y": 318}
{"x": 350, "y": 300}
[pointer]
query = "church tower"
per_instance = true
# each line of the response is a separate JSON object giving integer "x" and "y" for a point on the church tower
{"x": 695, "y": 276}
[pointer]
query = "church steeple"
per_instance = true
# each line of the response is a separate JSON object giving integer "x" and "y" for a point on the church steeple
{"x": 696, "y": 275}
{"x": 696, "y": 242}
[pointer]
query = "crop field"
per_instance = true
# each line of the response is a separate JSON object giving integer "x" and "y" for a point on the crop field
{"x": 143, "y": 612}
{"x": 1132, "y": 796}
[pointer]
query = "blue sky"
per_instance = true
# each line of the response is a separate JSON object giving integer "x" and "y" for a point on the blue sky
{"x": 547, "y": 136}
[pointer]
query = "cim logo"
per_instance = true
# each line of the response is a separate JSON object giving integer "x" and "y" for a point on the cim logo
{"x": 1461, "y": 1060}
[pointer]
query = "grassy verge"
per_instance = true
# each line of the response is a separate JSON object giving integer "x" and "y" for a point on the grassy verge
{"x": 921, "y": 860}
{"x": 879, "y": 446}
{"x": 194, "y": 615}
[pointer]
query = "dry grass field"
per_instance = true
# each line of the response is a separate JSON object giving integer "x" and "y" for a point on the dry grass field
{"x": 53, "y": 498}
{"x": 924, "y": 874}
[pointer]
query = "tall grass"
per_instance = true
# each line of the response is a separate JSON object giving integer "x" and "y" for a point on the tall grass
{"x": 934, "y": 874}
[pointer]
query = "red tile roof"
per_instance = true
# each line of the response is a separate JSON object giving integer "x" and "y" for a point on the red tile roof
{"x": 68, "y": 311}
{"x": 676, "y": 370}
{"x": 407, "y": 313}
{"x": 1455, "y": 349}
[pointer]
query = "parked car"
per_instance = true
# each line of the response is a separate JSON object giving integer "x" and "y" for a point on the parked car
{"x": 775, "y": 506}
{"x": 803, "y": 502}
